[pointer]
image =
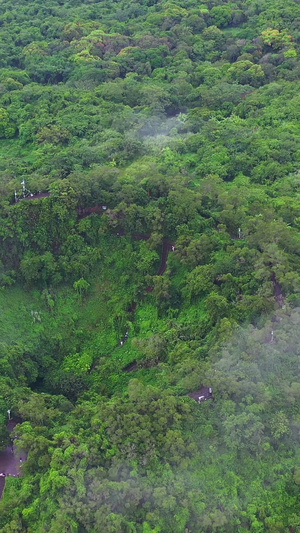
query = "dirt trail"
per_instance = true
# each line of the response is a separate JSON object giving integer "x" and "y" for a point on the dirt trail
{"x": 10, "y": 459}
{"x": 141, "y": 236}
{"x": 167, "y": 247}
{"x": 278, "y": 294}
{"x": 86, "y": 211}
{"x": 201, "y": 395}
{"x": 132, "y": 366}
{"x": 36, "y": 196}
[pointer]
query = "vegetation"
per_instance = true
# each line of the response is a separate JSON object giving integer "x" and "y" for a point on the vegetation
{"x": 182, "y": 120}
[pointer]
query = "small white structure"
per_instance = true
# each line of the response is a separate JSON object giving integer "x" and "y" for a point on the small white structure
{"x": 26, "y": 192}
{"x": 36, "y": 316}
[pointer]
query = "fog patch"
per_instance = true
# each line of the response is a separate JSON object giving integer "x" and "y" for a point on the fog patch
{"x": 158, "y": 132}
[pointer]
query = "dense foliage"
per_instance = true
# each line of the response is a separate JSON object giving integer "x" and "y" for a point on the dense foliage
{"x": 182, "y": 119}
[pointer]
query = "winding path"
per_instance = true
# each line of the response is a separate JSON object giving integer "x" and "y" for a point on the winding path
{"x": 278, "y": 294}
{"x": 168, "y": 246}
{"x": 10, "y": 458}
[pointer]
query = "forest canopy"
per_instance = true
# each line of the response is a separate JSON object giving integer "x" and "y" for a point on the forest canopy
{"x": 149, "y": 251}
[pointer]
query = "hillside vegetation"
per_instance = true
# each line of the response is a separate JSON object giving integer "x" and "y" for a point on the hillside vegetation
{"x": 165, "y": 258}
